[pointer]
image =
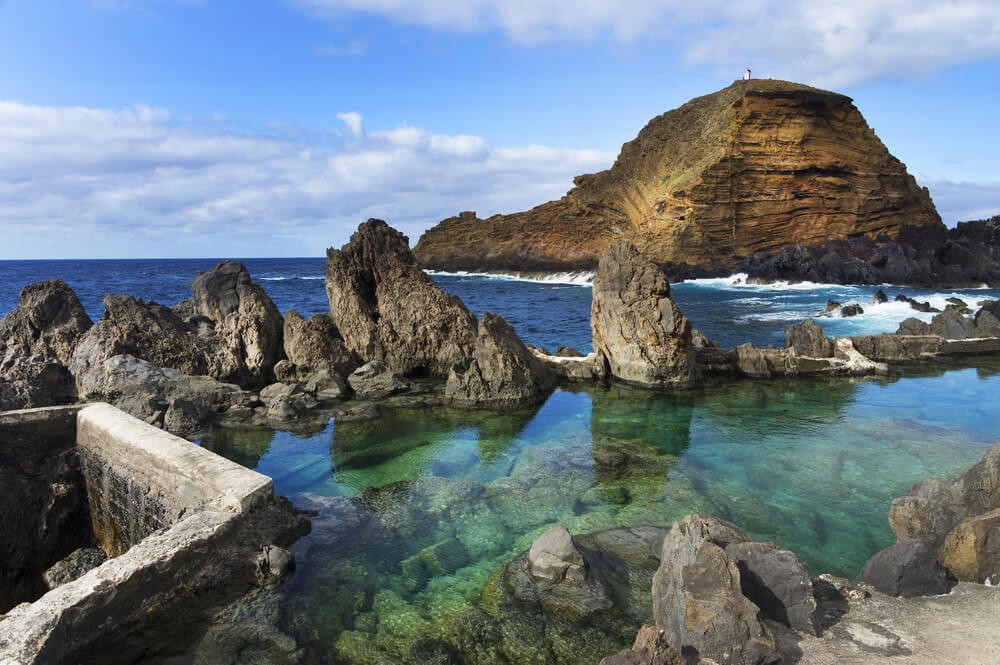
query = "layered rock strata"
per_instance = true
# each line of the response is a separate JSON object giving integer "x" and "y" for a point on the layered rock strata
{"x": 746, "y": 170}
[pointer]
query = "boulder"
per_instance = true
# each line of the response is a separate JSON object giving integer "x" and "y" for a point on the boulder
{"x": 74, "y": 566}
{"x": 286, "y": 401}
{"x": 776, "y": 582}
{"x": 635, "y": 324}
{"x": 807, "y": 338}
{"x": 697, "y": 598}
{"x": 554, "y": 558}
{"x": 853, "y": 309}
{"x": 375, "y": 380}
{"x": 37, "y": 341}
{"x": 751, "y": 361}
{"x": 165, "y": 397}
{"x": 146, "y": 330}
{"x": 650, "y": 648}
{"x": 909, "y": 568}
{"x": 567, "y": 352}
{"x": 502, "y": 372}
{"x": 879, "y": 298}
{"x": 971, "y": 551}
{"x": 388, "y": 310}
{"x": 248, "y": 326}
{"x": 315, "y": 344}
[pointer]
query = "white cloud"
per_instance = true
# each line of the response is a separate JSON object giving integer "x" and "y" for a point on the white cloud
{"x": 74, "y": 180}
{"x": 964, "y": 201}
{"x": 830, "y": 44}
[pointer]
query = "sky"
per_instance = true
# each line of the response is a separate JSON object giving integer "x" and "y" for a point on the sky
{"x": 245, "y": 128}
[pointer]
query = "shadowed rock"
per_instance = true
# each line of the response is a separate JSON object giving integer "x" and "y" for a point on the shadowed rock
{"x": 387, "y": 309}
{"x": 776, "y": 582}
{"x": 650, "y": 648}
{"x": 697, "y": 597}
{"x": 909, "y": 568}
{"x": 635, "y": 324}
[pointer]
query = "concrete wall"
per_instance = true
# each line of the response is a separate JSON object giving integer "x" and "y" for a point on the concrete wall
{"x": 141, "y": 479}
{"x": 43, "y": 508}
{"x": 209, "y": 521}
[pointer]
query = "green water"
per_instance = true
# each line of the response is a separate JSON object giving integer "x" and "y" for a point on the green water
{"x": 405, "y": 570}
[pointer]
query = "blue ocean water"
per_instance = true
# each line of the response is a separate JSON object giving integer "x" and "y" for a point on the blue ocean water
{"x": 547, "y": 312}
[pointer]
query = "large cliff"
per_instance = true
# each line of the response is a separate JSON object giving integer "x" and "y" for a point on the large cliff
{"x": 748, "y": 169}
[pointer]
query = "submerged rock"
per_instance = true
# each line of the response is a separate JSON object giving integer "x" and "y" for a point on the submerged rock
{"x": 635, "y": 324}
{"x": 502, "y": 372}
{"x": 387, "y": 309}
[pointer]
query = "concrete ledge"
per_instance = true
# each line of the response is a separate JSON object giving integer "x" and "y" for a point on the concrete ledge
{"x": 183, "y": 476}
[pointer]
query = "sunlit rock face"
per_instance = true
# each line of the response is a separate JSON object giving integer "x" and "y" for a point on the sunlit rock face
{"x": 750, "y": 168}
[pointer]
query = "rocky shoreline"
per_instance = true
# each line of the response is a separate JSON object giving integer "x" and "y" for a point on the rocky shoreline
{"x": 227, "y": 354}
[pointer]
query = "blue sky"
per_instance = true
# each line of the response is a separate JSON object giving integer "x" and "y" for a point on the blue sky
{"x": 242, "y": 128}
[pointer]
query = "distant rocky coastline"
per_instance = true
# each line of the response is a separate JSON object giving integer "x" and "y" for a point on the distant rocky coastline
{"x": 771, "y": 178}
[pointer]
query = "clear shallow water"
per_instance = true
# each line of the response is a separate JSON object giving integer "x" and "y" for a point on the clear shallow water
{"x": 810, "y": 465}
{"x": 419, "y": 509}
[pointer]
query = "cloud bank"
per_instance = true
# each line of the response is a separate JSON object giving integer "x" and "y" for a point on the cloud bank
{"x": 78, "y": 182}
{"x": 830, "y": 44}
{"x": 90, "y": 182}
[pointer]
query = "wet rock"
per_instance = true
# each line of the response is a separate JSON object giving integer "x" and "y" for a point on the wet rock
{"x": 879, "y": 298}
{"x": 502, "y": 372}
{"x": 326, "y": 386}
{"x": 832, "y": 306}
{"x": 971, "y": 551}
{"x": 808, "y": 339}
{"x": 375, "y": 380}
{"x": 315, "y": 344}
{"x": 917, "y": 305}
{"x": 287, "y": 401}
{"x": 388, "y": 310}
{"x": 776, "y": 582}
{"x": 909, "y": 568}
{"x": 74, "y": 566}
{"x": 37, "y": 341}
{"x": 247, "y": 322}
{"x": 899, "y": 348}
{"x": 366, "y": 411}
{"x": 697, "y": 598}
{"x": 554, "y": 558}
{"x": 650, "y": 648}
{"x": 635, "y": 324}
{"x": 274, "y": 564}
{"x": 852, "y": 309}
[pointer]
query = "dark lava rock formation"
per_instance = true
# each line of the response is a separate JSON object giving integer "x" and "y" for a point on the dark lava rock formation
{"x": 741, "y": 172}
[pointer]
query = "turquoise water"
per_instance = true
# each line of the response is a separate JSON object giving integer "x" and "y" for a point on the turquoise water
{"x": 418, "y": 510}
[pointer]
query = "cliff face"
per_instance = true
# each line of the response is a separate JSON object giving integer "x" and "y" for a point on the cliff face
{"x": 748, "y": 169}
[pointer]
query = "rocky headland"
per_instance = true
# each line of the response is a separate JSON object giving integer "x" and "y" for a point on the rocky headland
{"x": 772, "y": 178}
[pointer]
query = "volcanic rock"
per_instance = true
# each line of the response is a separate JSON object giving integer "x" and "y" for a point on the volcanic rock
{"x": 37, "y": 340}
{"x": 502, "y": 371}
{"x": 374, "y": 380}
{"x": 808, "y": 339}
{"x": 697, "y": 598}
{"x": 247, "y": 323}
{"x": 650, "y": 648}
{"x": 387, "y": 309}
{"x": 635, "y": 324}
{"x": 316, "y": 344}
{"x": 776, "y": 582}
{"x": 908, "y": 568}
{"x": 749, "y": 169}
{"x": 971, "y": 551}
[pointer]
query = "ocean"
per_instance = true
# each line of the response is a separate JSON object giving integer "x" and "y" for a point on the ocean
{"x": 408, "y": 572}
